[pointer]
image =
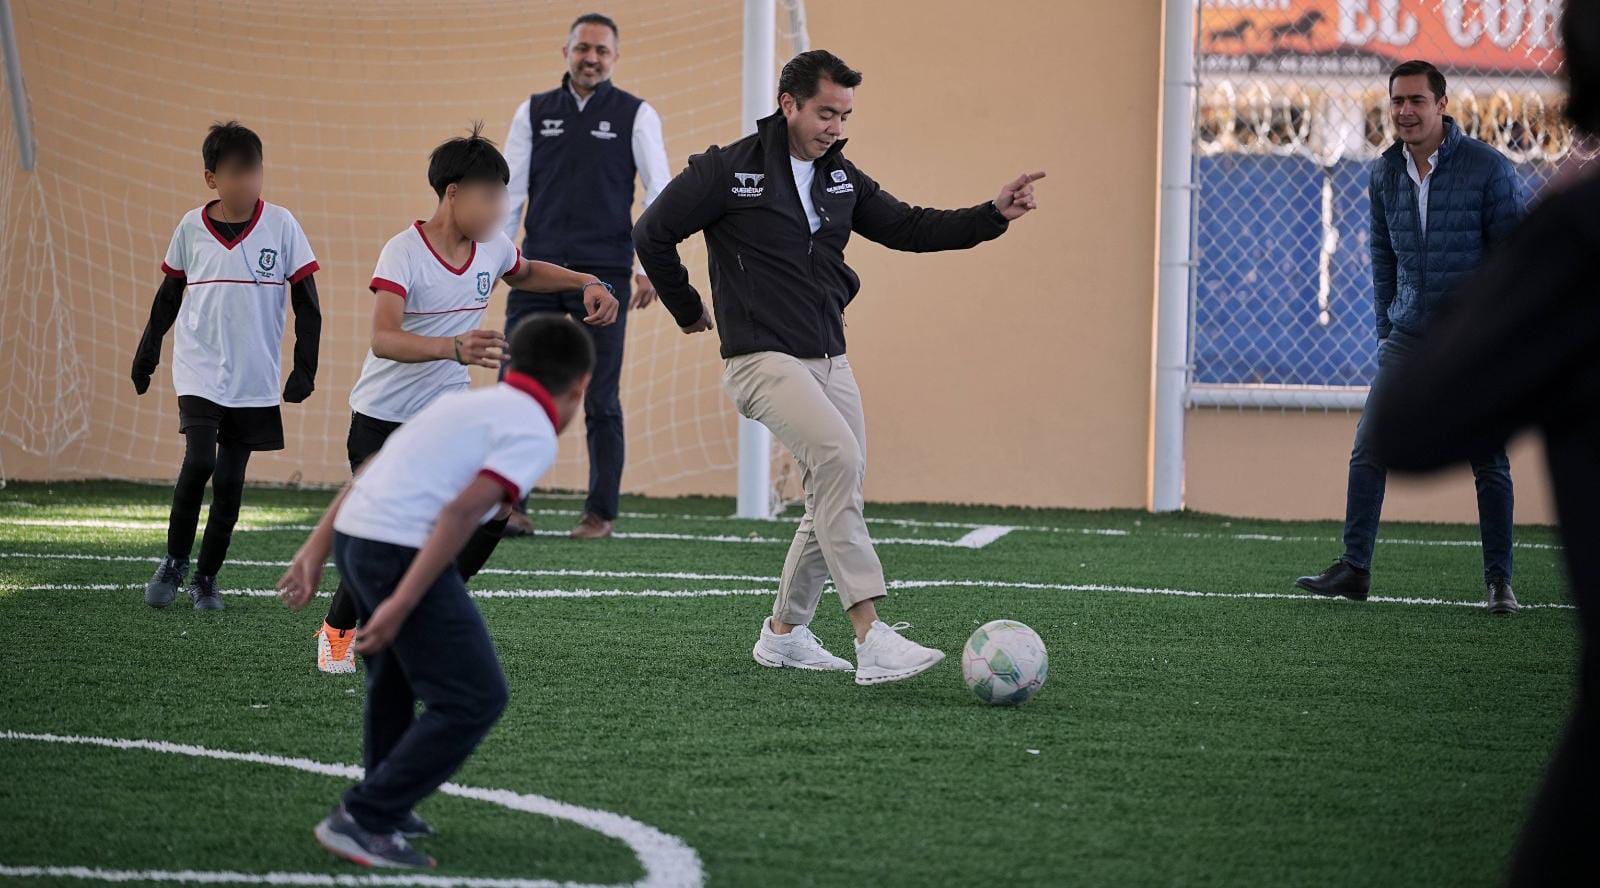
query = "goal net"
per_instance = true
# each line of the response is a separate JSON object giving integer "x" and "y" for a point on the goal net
{"x": 349, "y": 98}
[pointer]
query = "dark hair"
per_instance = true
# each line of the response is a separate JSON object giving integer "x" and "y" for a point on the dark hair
{"x": 467, "y": 159}
{"x": 552, "y": 349}
{"x": 805, "y": 71}
{"x": 595, "y": 18}
{"x": 230, "y": 141}
{"x": 1418, "y": 66}
{"x": 1580, "y": 41}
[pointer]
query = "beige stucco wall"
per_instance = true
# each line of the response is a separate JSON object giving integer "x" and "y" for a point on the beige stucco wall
{"x": 1292, "y": 464}
{"x": 1017, "y": 372}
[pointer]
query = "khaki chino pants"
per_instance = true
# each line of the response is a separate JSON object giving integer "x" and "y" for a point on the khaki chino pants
{"x": 813, "y": 406}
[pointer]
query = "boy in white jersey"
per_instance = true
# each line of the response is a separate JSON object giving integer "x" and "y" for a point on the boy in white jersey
{"x": 431, "y": 288}
{"x": 240, "y": 259}
{"x": 396, "y": 532}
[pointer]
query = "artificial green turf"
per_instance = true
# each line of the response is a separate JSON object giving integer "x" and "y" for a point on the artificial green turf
{"x": 1180, "y": 741}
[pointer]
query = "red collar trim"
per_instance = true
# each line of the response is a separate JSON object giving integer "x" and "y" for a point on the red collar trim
{"x": 471, "y": 254}
{"x": 255, "y": 216}
{"x": 522, "y": 382}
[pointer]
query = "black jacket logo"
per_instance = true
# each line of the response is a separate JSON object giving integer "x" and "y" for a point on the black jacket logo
{"x": 749, "y": 184}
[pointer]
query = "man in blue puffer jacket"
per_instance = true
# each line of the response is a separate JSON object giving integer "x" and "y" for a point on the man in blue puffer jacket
{"x": 1440, "y": 199}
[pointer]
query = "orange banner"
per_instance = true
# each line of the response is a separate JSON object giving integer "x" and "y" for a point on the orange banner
{"x": 1362, "y": 36}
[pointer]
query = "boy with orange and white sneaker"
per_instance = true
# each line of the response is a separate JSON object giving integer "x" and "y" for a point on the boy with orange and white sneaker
{"x": 431, "y": 289}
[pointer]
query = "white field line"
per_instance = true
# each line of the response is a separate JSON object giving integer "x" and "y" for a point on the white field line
{"x": 138, "y": 524}
{"x": 974, "y": 540}
{"x": 504, "y": 571}
{"x": 979, "y": 537}
{"x": 475, "y": 593}
{"x": 780, "y": 519}
{"x": 1184, "y": 593}
{"x": 768, "y": 589}
{"x": 1278, "y": 538}
{"x": 228, "y": 877}
{"x": 1045, "y": 528}
{"x": 668, "y": 862}
{"x": 154, "y": 512}
{"x": 1115, "y": 532}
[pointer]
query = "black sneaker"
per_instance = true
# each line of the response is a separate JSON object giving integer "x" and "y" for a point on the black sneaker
{"x": 163, "y": 587}
{"x": 1342, "y": 580}
{"x": 203, "y": 592}
{"x": 414, "y": 827}
{"x": 346, "y": 839}
{"x": 1502, "y": 601}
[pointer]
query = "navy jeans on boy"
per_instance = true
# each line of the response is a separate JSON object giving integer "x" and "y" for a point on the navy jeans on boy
{"x": 443, "y": 657}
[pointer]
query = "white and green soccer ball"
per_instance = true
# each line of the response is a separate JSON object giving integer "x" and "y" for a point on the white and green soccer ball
{"x": 1005, "y": 663}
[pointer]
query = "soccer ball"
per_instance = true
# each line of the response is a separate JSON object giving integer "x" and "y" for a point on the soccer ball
{"x": 1004, "y": 663}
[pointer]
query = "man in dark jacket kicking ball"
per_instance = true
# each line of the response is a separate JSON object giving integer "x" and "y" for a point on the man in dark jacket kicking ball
{"x": 777, "y": 208}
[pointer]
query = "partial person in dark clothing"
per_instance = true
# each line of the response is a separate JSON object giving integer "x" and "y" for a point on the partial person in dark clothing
{"x": 1518, "y": 347}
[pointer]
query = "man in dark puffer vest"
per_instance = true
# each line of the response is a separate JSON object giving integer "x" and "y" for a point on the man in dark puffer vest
{"x": 1440, "y": 200}
{"x": 574, "y": 152}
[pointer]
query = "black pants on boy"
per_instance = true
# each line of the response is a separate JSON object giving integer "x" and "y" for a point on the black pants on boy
{"x": 223, "y": 466}
{"x": 443, "y": 657}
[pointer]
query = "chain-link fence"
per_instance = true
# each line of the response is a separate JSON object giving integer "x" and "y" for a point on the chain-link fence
{"x": 1292, "y": 110}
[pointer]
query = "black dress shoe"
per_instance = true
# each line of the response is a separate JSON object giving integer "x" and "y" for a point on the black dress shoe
{"x": 1502, "y": 600}
{"x": 1342, "y": 580}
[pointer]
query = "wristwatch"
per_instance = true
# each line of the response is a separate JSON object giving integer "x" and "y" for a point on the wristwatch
{"x": 996, "y": 215}
{"x": 609, "y": 289}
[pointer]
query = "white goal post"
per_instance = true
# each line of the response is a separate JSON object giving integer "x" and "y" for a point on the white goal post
{"x": 757, "y": 498}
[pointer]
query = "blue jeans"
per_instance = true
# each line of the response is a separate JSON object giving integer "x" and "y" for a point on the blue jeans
{"x": 1364, "y": 494}
{"x": 443, "y": 657}
{"x": 602, "y": 406}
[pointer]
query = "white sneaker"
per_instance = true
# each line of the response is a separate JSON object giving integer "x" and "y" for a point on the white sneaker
{"x": 888, "y": 656}
{"x": 799, "y": 649}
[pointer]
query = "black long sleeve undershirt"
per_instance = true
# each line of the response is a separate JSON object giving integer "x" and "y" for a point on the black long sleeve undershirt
{"x": 163, "y": 313}
{"x": 307, "y": 335}
{"x": 307, "y": 339}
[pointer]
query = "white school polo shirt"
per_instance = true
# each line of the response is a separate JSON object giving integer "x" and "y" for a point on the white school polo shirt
{"x": 230, "y": 325}
{"x": 507, "y": 433}
{"x": 441, "y": 300}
